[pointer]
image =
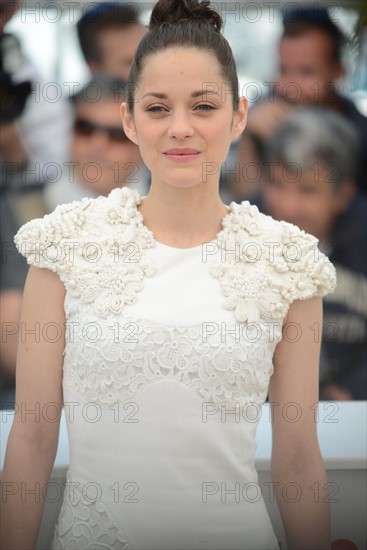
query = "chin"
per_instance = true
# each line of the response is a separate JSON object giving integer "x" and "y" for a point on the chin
{"x": 308, "y": 227}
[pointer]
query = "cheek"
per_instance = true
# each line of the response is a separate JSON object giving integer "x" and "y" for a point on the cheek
{"x": 272, "y": 198}
{"x": 300, "y": 88}
{"x": 147, "y": 149}
{"x": 317, "y": 208}
{"x": 129, "y": 153}
{"x": 328, "y": 206}
{"x": 146, "y": 136}
{"x": 313, "y": 88}
{"x": 79, "y": 148}
{"x": 114, "y": 151}
{"x": 219, "y": 140}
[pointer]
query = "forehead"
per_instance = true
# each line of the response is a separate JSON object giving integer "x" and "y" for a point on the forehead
{"x": 106, "y": 110}
{"x": 312, "y": 47}
{"x": 319, "y": 179}
{"x": 121, "y": 37}
{"x": 178, "y": 71}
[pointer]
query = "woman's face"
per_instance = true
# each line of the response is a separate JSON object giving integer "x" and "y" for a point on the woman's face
{"x": 183, "y": 117}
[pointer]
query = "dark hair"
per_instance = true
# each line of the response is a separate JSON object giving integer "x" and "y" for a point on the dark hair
{"x": 184, "y": 23}
{"x": 101, "y": 88}
{"x": 300, "y": 20}
{"x": 103, "y": 16}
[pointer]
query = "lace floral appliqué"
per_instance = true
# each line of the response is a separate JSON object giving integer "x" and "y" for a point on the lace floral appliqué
{"x": 85, "y": 523}
{"x": 263, "y": 265}
{"x": 97, "y": 247}
{"x": 143, "y": 353}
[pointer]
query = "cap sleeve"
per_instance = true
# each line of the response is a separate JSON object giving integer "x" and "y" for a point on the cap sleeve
{"x": 49, "y": 242}
{"x": 96, "y": 246}
{"x": 309, "y": 272}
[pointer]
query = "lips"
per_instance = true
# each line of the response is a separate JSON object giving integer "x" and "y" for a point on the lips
{"x": 181, "y": 155}
{"x": 183, "y": 151}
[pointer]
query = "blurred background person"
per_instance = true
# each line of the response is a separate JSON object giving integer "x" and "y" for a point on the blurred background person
{"x": 109, "y": 34}
{"x": 34, "y": 129}
{"x": 102, "y": 157}
{"x": 33, "y": 133}
{"x": 311, "y": 183}
{"x": 13, "y": 272}
{"x": 310, "y": 64}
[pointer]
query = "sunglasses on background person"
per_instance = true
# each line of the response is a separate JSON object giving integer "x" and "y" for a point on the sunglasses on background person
{"x": 85, "y": 128}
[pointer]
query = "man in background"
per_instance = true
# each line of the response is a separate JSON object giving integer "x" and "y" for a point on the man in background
{"x": 13, "y": 272}
{"x": 109, "y": 34}
{"x": 102, "y": 156}
{"x": 33, "y": 134}
{"x": 34, "y": 130}
{"x": 311, "y": 183}
{"x": 310, "y": 64}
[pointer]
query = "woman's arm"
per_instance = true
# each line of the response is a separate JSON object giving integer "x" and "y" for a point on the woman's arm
{"x": 298, "y": 472}
{"x": 33, "y": 438}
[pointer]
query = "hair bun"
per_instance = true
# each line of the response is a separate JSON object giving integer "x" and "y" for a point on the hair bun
{"x": 184, "y": 11}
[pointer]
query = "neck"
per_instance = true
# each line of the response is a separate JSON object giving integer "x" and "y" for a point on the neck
{"x": 183, "y": 217}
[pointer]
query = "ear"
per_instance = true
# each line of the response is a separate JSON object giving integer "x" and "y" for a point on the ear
{"x": 128, "y": 123}
{"x": 94, "y": 67}
{"x": 239, "y": 118}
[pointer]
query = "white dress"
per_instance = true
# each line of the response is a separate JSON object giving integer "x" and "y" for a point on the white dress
{"x": 166, "y": 367}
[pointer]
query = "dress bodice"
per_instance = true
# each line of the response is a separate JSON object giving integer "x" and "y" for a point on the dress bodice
{"x": 171, "y": 306}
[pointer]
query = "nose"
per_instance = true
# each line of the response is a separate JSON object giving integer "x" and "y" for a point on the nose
{"x": 180, "y": 125}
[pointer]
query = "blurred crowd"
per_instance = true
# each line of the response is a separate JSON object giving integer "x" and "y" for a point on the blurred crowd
{"x": 301, "y": 159}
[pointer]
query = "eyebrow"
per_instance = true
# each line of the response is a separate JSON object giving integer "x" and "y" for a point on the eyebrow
{"x": 198, "y": 93}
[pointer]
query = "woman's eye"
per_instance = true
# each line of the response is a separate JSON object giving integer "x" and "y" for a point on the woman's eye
{"x": 204, "y": 107}
{"x": 156, "y": 109}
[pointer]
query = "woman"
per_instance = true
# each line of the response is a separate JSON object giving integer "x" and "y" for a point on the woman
{"x": 174, "y": 306}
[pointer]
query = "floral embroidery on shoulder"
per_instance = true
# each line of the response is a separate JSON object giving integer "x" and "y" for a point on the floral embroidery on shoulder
{"x": 263, "y": 265}
{"x": 96, "y": 246}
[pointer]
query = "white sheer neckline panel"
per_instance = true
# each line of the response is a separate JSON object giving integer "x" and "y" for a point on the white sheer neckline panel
{"x": 182, "y": 292}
